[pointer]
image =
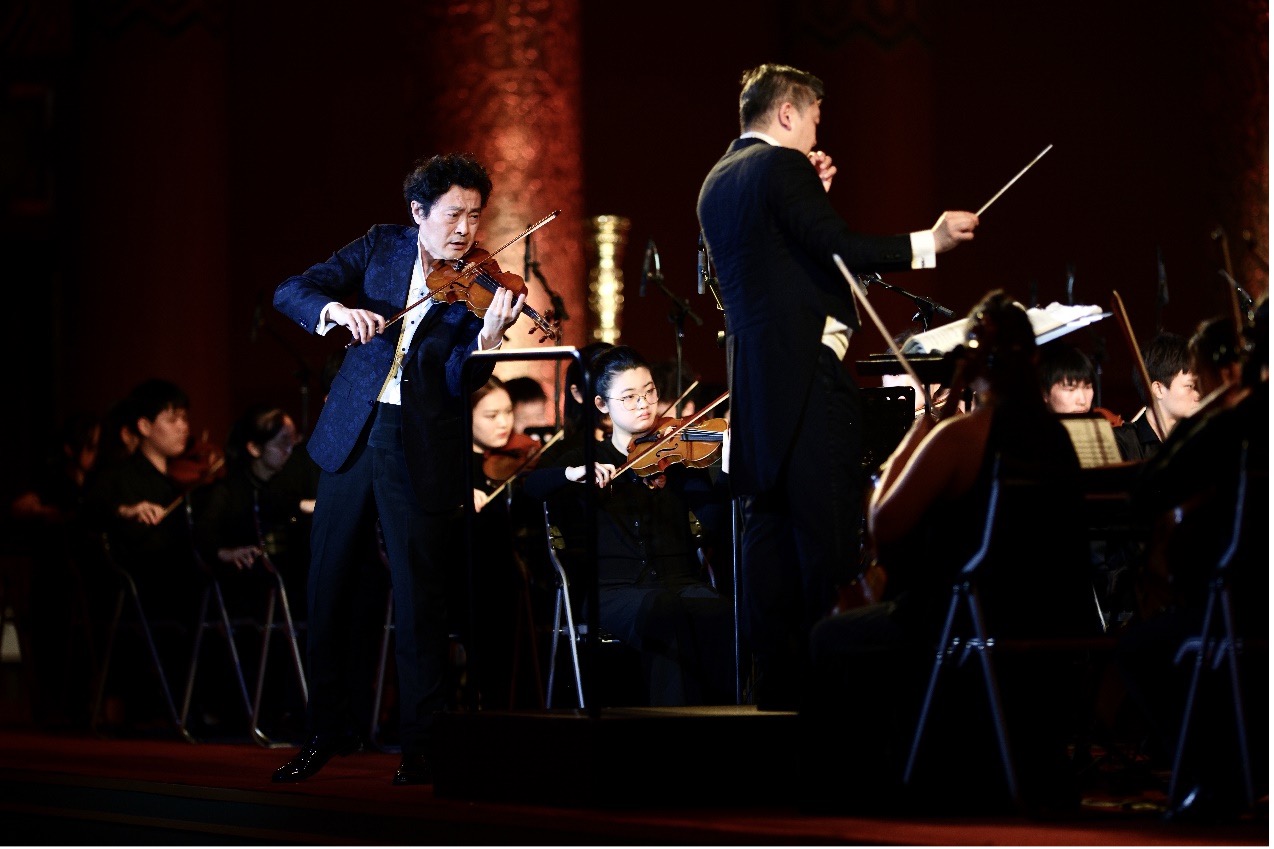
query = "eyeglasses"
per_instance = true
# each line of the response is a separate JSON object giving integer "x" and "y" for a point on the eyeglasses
{"x": 650, "y": 396}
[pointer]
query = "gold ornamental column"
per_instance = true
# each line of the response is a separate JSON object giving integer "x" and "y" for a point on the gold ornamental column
{"x": 501, "y": 80}
{"x": 606, "y": 277}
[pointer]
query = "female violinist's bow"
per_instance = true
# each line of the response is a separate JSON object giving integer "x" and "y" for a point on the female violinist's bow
{"x": 648, "y": 457}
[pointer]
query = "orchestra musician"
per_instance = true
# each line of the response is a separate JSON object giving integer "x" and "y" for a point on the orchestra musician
{"x": 771, "y": 233}
{"x": 1174, "y": 395}
{"x": 652, "y": 593}
{"x": 390, "y": 445}
{"x": 1194, "y": 480}
{"x": 500, "y": 456}
{"x": 926, "y": 517}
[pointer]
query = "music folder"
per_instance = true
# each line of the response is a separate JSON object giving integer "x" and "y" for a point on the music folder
{"x": 1093, "y": 439}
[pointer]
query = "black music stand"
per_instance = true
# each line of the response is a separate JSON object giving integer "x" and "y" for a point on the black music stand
{"x": 888, "y": 413}
{"x": 554, "y": 352}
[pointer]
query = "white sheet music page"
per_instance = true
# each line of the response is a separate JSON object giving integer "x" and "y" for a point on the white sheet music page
{"x": 1048, "y": 323}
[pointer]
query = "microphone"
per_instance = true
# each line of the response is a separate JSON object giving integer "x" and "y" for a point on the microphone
{"x": 652, "y": 254}
{"x": 869, "y": 278}
{"x": 526, "y": 260}
{"x": 703, "y": 265}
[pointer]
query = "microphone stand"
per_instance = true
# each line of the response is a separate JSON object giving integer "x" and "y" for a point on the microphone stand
{"x": 680, "y": 309}
{"x": 531, "y": 265}
{"x": 925, "y": 308}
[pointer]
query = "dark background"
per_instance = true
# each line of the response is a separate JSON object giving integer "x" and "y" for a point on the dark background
{"x": 164, "y": 165}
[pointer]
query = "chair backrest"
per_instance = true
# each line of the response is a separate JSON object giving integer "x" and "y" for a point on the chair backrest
{"x": 1032, "y": 564}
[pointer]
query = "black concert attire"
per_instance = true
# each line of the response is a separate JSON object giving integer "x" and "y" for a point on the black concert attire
{"x": 796, "y": 415}
{"x": 504, "y": 626}
{"x": 161, "y": 561}
{"x": 241, "y": 509}
{"x": 1197, "y": 471}
{"x": 159, "y": 557}
{"x": 1137, "y": 439}
{"x": 390, "y": 444}
{"x": 651, "y": 590}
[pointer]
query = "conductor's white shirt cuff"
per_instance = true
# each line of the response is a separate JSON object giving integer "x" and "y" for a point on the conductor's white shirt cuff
{"x": 924, "y": 249}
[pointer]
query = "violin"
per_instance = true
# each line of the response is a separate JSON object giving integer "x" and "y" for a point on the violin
{"x": 696, "y": 446}
{"x": 520, "y": 452}
{"x": 475, "y": 278}
{"x": 1111, "y": 416}
{"x": 456, "y": 281}
{"x": 696, "y": 443}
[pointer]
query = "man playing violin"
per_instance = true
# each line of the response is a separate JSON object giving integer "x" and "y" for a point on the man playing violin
{"x": 771, "y": 233}
{"x": 390, "y": 444}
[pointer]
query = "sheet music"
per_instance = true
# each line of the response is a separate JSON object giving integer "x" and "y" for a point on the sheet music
{"x": 1048, "y": 323}
{"x": 1094, "y": 441}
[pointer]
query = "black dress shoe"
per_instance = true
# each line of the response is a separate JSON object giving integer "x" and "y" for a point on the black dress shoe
{"x": 321, "y": 749}
{"x": 414, "y": 769}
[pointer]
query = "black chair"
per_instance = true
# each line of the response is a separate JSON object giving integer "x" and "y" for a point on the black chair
{"x": 1218, "y": 642}
{"x": 213, "y": 616}
{"x": 289, "y": 629}
{"x": 564, "y": 626}
{"x": 990, "y": 592}
{"x": 128, "y": 598}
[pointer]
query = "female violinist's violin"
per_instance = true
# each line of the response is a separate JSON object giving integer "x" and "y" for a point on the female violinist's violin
{"x": 474, "y": 279}
{"x": 696, "y": 446}
{"x": 520, "y": 454}
{"x": 695, "y": 442}
{"x": 500, "y": 464}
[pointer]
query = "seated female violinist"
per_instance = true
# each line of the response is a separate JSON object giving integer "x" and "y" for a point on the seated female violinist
{"x": 652, "y": 592}
{"x": 500, "y": 456}
{"x": 926, "y": 518}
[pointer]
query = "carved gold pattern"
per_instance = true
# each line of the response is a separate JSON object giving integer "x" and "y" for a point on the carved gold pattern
{"x": 606, "y": 278}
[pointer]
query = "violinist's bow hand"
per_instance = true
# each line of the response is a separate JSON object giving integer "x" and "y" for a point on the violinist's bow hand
{"x": 952, "y": 228}
{"x": 823, "y": 165}
{"x": 362, "y": 324}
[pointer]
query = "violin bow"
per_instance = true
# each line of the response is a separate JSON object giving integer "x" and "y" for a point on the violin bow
{"x": 1014, "y": 180}
{"x": 673, "y": 434}
{"x": 529, "y": 459}
{"x": 861, "y": 295}
{"x": 528, "y": 231}
{"x": 1121, "y": 316}
{"x": 683, "y": 396}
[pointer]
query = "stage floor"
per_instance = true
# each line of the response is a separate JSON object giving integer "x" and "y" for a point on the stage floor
{"x": 66, "y": 788}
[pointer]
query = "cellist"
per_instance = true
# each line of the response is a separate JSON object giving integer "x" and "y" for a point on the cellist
{"x": 926, "y": 516}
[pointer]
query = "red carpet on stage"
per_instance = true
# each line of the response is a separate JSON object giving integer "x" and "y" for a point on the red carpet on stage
{"x": 63, "y": 788}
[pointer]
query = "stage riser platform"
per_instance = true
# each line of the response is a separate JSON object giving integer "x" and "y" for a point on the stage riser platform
{"x": 623, "y": 757}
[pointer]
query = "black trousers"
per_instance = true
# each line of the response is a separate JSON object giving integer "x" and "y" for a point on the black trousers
{"x": 374, "y": 483}
{"x": 801, "y": 538}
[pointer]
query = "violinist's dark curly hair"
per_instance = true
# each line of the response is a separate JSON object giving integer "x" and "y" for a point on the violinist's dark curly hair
{"x": 765, "y": 87}
{"x": 432, "y": 178}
